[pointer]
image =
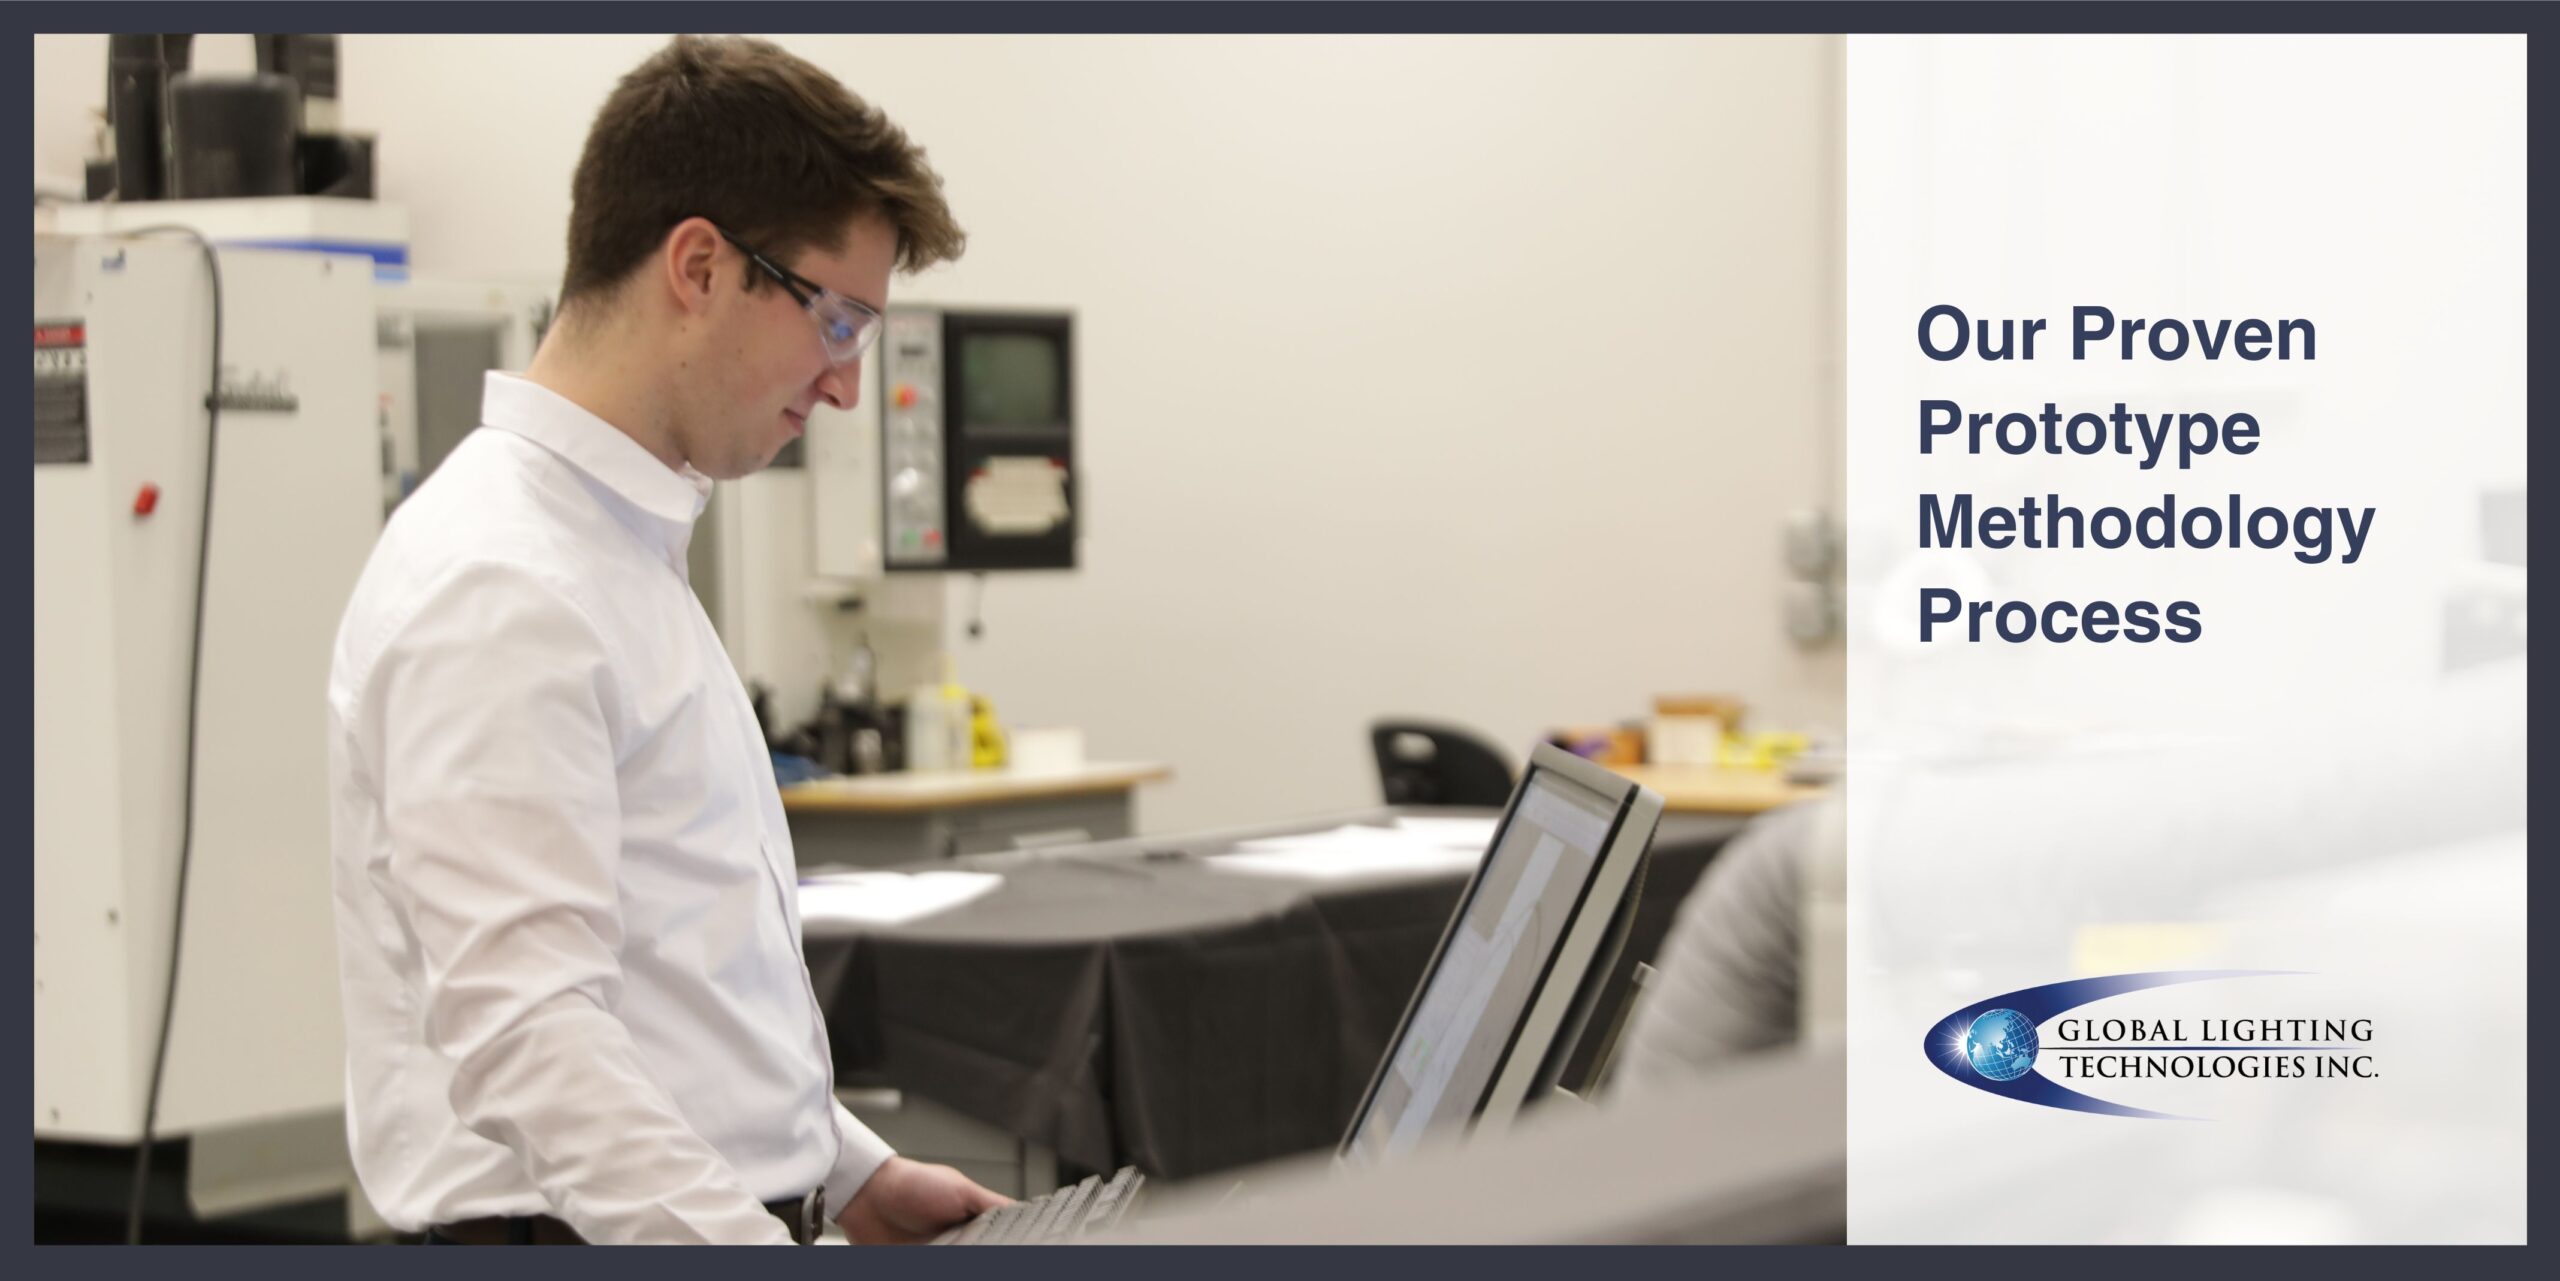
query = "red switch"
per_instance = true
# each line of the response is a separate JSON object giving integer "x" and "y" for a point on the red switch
{"x": 146, "y": 500}
{"x": 906, "y": 395}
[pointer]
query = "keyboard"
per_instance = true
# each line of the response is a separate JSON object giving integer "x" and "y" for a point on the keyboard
{"x": 1055, "y": 1219}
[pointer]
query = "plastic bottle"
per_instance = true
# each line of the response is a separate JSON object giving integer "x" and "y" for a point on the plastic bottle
{"x": 938, "y": 724}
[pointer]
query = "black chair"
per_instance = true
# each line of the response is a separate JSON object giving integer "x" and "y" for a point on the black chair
{"x": 1425, "y": 764}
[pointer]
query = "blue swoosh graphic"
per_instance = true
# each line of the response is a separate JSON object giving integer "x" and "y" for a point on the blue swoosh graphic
{"x": 1945, "y": 1042}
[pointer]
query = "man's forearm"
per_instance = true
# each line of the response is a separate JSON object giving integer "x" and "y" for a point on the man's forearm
{"x": 565, "y": 1089}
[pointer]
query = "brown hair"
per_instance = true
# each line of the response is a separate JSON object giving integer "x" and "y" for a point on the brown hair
{"x": 759, "y": 141}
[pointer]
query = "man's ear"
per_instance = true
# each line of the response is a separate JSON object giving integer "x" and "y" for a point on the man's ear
{"x": 689, "y": 263}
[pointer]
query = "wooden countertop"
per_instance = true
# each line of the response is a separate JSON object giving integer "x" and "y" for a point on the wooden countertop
{"x": 1717, "y": 789}
{"x": 945, "y": 789}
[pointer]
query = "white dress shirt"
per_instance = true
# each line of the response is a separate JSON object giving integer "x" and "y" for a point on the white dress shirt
{"x": 568, "y": 921}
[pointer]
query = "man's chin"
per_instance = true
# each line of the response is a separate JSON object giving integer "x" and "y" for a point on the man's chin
{"x": 734, "y": 468}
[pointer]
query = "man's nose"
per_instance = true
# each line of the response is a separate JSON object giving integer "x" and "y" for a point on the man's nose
{"x": 842, "y": 385}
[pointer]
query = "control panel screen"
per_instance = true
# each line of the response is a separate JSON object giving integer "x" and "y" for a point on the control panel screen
{"x": 1012, "y": 380}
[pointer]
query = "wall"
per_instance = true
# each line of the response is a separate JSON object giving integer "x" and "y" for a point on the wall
{"x": 1465, "y": 377}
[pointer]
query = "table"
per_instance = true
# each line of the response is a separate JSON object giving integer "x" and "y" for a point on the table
{"x": 885, "y": 819}
{"x": 1717, "y": 789}
{"x": 1128, "y": 1003}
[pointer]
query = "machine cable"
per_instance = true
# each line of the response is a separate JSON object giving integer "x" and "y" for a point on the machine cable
{"x": 195, "y": 679}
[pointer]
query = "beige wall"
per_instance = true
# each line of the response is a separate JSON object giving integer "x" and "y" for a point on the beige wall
{"x": 1469, "y": 377}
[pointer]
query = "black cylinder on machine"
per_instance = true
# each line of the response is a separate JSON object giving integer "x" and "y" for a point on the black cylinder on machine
{"x": 138, "y": 72}
{"x": 232, "y": 136}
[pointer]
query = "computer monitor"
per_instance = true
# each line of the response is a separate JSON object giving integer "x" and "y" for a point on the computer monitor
{"x": 1520, "y": 966}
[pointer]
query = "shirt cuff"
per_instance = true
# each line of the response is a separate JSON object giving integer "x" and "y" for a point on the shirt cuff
{"x": 859, "y": 1155}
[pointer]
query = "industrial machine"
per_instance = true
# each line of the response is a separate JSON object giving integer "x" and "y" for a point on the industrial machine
{"x": 198, "y": 527}
{"x": 436, "y": 338}
{"x": 165, "y": 743}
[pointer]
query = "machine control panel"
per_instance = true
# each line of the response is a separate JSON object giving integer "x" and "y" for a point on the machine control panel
{"x": 912, "y": 432}
{"x": 977, "y": 440}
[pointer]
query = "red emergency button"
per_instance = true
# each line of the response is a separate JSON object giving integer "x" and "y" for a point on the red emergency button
{"x": 146, "y": 500}
{"x": 906, "y": 396}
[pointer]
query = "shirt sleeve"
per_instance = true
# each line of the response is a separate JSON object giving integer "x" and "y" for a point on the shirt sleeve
{"x": 1725, "y": 977}
{"x": 860, "y": 1155}
{"x": 493, "y": 705}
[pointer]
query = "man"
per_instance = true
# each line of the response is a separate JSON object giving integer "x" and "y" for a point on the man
{"x": 1731, "y": 975}
{"x": 576, "y": 1005}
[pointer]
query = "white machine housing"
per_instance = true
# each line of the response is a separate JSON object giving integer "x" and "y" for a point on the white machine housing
{"x": 436, "y": 340}
{"x": 373, "y": 229}
{"x": 256, "y": 1032}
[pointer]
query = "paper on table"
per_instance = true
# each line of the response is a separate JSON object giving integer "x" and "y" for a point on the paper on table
{"x": 1473, "y": 833}
{"x": 1346, "y": 852}
{"x": 888, "y": 898}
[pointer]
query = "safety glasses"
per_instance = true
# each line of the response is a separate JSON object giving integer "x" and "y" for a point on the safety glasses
{"x": 847, "y": 328}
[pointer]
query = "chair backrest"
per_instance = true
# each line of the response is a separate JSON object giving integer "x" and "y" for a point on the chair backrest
{"x": 1426, "y": 764}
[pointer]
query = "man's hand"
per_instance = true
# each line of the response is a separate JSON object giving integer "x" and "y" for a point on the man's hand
{"x": 905, "y": 1202}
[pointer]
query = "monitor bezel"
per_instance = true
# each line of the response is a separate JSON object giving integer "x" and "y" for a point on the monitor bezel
{"x": 1634, "y": 813}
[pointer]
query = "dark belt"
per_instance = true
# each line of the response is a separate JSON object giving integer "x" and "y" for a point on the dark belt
{"x": 801, "y": 1215}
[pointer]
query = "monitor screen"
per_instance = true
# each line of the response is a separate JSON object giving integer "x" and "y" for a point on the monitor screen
{"x": 1474, "y": 998}
{"x": 1011, "y": 379}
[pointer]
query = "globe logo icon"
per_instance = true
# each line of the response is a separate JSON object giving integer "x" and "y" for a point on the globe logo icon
{"x": 2001, "y": 1045}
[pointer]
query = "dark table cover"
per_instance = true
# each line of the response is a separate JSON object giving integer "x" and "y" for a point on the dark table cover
{"x": 1129, "y": 1003}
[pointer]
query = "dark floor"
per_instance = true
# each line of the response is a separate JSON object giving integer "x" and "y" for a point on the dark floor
{"x": 83, "y": 1191}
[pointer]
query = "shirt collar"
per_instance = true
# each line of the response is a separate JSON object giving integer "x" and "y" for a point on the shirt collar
{"x": 596, "y": 447}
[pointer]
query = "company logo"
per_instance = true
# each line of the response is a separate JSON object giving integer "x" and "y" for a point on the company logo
{"x": 2001, "y": 1045}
